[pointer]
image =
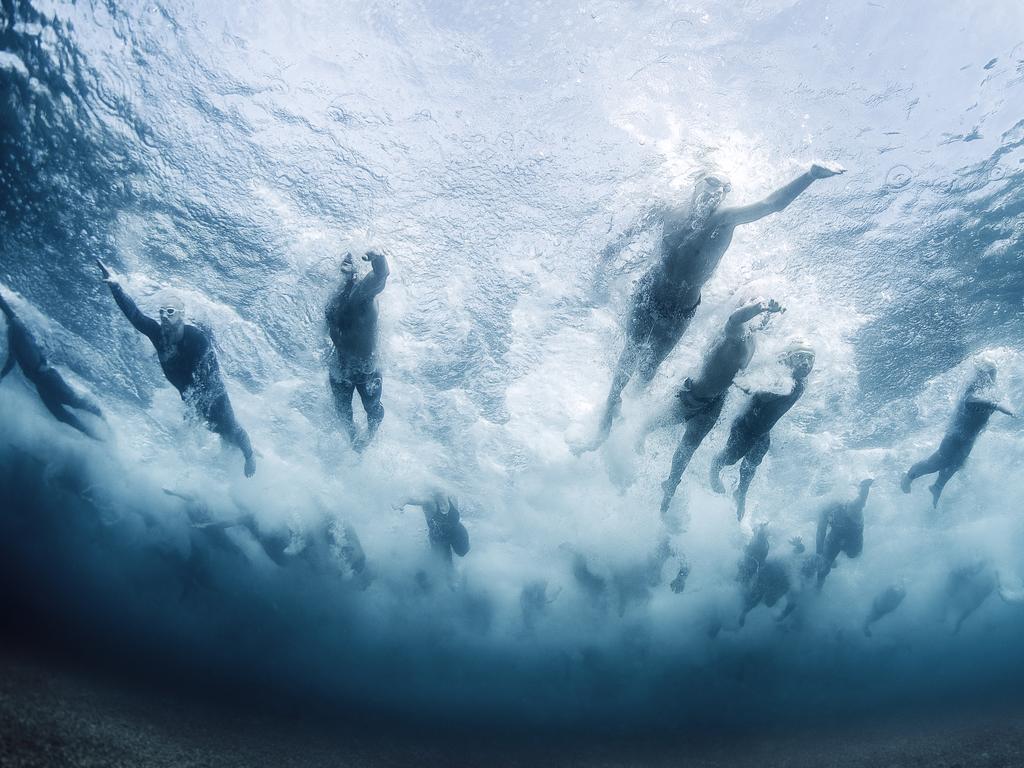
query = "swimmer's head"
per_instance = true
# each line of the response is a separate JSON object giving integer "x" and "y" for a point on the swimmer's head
{"x": 172, "y": 312}
{"x": 799, "y": 356}
{"x": 709, "y": 190}
{"x": 348, "y": 268}
{"x": 985, "y": 372}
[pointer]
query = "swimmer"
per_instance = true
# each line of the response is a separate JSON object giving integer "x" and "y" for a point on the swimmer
{"x": 699, "y": 402}
{"x": 967, "y": 587}
{"x": 352, "y": 324}
{"x": 971, "y": 416}
{"x": 749, "y": 438}
{"x": 885, "y": 603}
{"x": 841, "y": 529}
{"x": 694, "y": 238}
{"x": 56, "y": 394}
{"x": 445, "y": 530}
{"x": 189, "y": 362}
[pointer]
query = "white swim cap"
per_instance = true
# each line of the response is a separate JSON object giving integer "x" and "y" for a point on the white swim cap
{"x": 171, "y": 298}
{"x": 798, "y": 346}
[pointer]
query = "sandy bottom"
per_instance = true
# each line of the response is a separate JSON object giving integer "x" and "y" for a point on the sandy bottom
{"x": 52, "y": 714}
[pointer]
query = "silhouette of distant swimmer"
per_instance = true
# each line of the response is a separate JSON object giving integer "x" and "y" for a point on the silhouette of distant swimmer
{"x": 352, "y": 323}
{"x": 971, "y": 416}
{"x": 445, "y": 530}
{"x": 841, "y": 529}
{"x": 699, "y": 402}
{"x": 887, "y": 601}
{"x": 56, "y": 394}
{"x": 189, "y": 362}
{"x": 749, "y": 438}
{"x": 693, "y": 240}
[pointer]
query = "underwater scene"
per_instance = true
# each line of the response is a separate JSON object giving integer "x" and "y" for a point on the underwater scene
{"x": 571, "y": 371}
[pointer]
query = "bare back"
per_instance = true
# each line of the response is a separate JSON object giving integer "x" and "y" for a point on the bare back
{"x": 727, "y": 357}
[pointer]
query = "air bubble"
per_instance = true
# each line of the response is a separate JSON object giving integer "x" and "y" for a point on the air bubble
{"x": 898, "y": 177}
{"x": 997, "y": 173}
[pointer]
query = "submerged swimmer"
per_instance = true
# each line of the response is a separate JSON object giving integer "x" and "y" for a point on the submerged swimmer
{"x": 189, "y": 363}
{"x": 352, "y": 323}
{"x": 56, "y": 394}
{"x": 694, "y": 238}
{"x": 971, "y": 416}
{"x": 699, "y": 402}
{"x": 445, "y": 530}
{"x": 750, "y": 438}
{"x": 967, "y": 587}
{"x": 841, "y": 529}
{"x": 885, "y": 603}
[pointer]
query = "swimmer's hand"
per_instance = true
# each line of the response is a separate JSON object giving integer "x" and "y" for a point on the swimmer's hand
{"x": 371, "y": 255}
{"x": 824, "y": 169}
{"x": 108, "y": 276}
{"x": 771, "y": 306}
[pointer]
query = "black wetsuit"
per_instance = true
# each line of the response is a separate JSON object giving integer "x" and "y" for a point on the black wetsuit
{"x": 352, "y": 322}
{"x": 55, "y": 393}
{"x": 970, "y": 419}
{"x": 446, "y": 532}
{"x": 191, "y": 366}
{"x": 750, "y": 436}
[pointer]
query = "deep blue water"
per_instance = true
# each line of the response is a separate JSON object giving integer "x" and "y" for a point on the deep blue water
{"x": 231, "y": 151}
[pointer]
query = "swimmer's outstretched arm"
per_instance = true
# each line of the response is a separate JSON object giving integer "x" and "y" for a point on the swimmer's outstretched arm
{"x": 143, "y": 324}
{"x": 976, "y": 399}
{"x": 744, "y": 314}
{"x": 777, "y": 200}
{"x": 412, "y": 502}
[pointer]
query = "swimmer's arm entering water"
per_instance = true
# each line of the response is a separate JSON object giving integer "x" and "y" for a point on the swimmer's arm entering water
{"x": 143, "y": 324}
{"x": 373, "y": 283}
{"x": 777, "y": 200}
{"x": 412, "y": 502}
{"x": 734, "y": 326}
{"x": 975, "y": 399}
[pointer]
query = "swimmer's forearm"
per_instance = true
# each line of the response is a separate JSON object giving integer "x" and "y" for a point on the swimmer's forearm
{"x": 782, "y": 197}
{"x": 131, "y": 310}
{"x": 749, "y": 312}
{"x": 8, "y": 366}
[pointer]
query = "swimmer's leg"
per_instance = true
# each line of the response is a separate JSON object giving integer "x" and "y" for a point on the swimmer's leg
{"x": 64, "y": 416}
{"x": 747, "y": 470}
{"x": 623, "y": 372}
{"x": 696, "y": 430}
{"x": 827, "y": 559}
{"x": 370, "y": 387}
{"x": 924, "y": 467}
{"x": 222, "y": 421}
{"x": 940, "y": 482}
{"x": 343, "y": 391}
{"x": 735, "y": 449}
{"x": 59, "y": 390}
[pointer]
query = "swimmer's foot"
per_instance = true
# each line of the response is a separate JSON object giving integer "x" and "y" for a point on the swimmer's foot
{"x": 936, "y": 492}
{"x": 250, "y": 466}
{"x": 741, "y": 505}
{"x": 905, "y": 482}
